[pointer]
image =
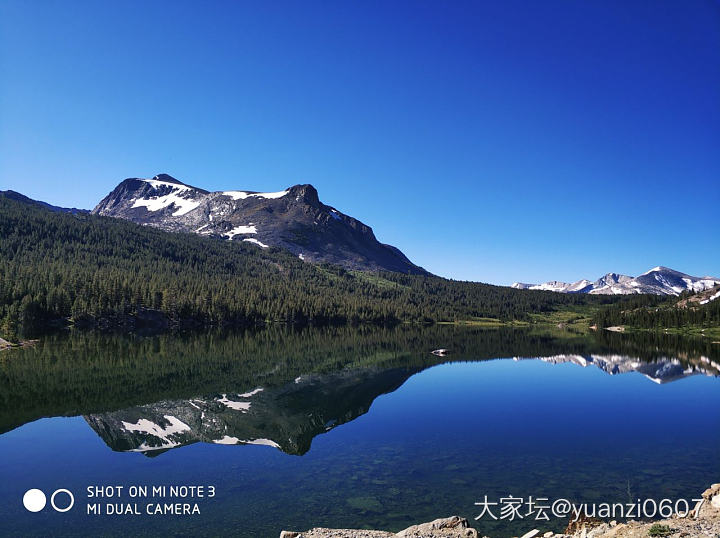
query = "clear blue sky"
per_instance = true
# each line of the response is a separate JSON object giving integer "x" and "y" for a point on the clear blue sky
{"x": 492, "y": 141}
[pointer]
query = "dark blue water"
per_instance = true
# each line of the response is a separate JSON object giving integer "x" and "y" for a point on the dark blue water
{"x": 449, "y": 435}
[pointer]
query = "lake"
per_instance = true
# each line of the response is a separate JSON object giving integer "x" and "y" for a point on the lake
{"x": 348, "y": 427}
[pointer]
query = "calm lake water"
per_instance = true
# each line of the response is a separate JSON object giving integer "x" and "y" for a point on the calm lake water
{"x": 350, "y": 427}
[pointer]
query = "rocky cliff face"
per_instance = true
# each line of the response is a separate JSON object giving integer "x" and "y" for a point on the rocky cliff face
{"x": 294, "y": 219}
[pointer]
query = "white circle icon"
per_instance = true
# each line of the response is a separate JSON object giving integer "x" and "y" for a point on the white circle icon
{"x": 70, "y": 504}
{"x": 34, "y": 500}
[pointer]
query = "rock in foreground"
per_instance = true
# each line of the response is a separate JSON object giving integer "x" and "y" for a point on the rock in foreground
{"x": 451, "y": 527}
{"x": 706, "y": 523}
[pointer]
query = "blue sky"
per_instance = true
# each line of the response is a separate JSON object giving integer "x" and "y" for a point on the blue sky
{"x": 490, "y": 141}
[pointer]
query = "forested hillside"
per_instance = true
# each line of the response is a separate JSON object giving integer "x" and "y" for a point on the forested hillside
{"x": 57, "y": 267}
{"x": 654, "y": 312}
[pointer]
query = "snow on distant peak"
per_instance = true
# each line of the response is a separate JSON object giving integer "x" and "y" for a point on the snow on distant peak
{"x": 658, "y": 280}
{"x": 579, "y": 285}
{"x": 657, "y": 269}
{"x": 553, "y": 285}
{"x": 241, "y": 195}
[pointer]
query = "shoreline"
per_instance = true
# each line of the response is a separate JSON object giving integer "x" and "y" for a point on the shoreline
{"x": 703, "y": 520}
{"x": 154, "y": 321}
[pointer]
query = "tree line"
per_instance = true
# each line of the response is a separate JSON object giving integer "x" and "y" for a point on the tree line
{"x": 658, "y": 312}
{"x": 56, "y": 267}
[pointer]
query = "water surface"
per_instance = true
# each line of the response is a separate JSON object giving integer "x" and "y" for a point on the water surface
{"x": 352, "y": 427}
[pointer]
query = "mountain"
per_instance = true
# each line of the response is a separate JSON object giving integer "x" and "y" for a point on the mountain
{"x": 294, "y": 219}
{"x": 13, "y": 195}
{"x": 657, "y": 281}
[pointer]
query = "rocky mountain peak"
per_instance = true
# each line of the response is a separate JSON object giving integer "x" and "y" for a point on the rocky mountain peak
{"x": 294, "y": 219}
{"x": 306, "y": 193}
{"x": 168, "y": 179}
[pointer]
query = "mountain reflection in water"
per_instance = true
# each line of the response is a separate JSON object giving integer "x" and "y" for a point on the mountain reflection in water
{"x": 289, "y": 416}
{"x": 389, "y": 434}
{"x": 281, "y": 387}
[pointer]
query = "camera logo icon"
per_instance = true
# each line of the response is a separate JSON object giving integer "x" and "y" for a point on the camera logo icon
{"x": 35, "y": 500}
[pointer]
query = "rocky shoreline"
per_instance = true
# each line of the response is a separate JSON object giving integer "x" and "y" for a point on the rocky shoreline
{"x": 700, "y": 522}
{"x": 4, "y": 344}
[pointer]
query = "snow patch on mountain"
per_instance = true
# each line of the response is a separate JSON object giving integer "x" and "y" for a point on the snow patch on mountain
{"x": 249, "y": 229}
{"x": 147, "y": 426}
{"x": 227, "y": 440}
{"x": 158, "y": 183}
{"x": 263, "y": 442}
{"x": 255, "y": 241}
{"x": 182, "y": 204}
{"x": 237, "y": 406}
{"x": 241, "y": 195}
{"x": 251, "y": 393}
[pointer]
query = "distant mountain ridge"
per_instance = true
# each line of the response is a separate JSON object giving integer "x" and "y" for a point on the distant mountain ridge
{"x": 658, "y": 281}
{"x": 13, "y": 195}
{"x": 294, "y": 219}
